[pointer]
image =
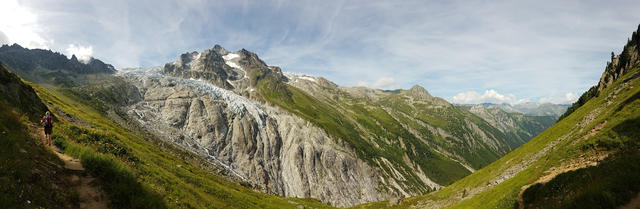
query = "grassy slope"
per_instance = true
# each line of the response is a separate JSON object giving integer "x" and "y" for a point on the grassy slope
{"x": 178, "y": 183}
{"x": 30, "y": 175}
{"x": 606, "y": 189}
{"x": 381, "y": 129}
{"x": 624, "y": 107}
{"x": 386, "y": 131}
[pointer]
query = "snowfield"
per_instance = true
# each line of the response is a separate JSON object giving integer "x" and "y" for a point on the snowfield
{"x": 228, "y": 59}
{"x": 295, "y": 76}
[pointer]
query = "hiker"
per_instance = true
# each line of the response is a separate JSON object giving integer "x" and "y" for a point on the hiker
{"x": 48, "y": 126}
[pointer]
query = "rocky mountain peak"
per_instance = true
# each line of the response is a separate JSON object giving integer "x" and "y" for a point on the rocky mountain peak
{"x": 326, "y": 83}
{"x": 219, "y": 49}
{"x": 238, "y": 71}
{"x": 619, "y": 65}
{"x": 419, "y": 92}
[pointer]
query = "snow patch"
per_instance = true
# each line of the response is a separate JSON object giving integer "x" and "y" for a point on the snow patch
{"x": 230, "y": 56}
{"x": 295, "y": 76}
{"x": 231, "y": 60}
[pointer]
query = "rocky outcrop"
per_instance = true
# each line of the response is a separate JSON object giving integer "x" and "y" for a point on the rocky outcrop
{"x": 619, "y": 65}
{"x": 208, "y": 65}
{"x": 268, "y": 147}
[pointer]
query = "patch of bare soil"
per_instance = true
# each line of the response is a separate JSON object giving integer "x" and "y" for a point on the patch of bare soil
{"x": 592, "y": 132}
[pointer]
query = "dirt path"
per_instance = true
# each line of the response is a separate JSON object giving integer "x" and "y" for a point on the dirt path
{"x": 89, "y": 192}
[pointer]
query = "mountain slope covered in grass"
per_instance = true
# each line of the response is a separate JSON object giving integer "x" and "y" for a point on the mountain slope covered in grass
{"x": 586, "y": 160}
{"x": 31, "y": 176}
{"x": 135, "y": 170}
{"x": 175, "y": 178}
{"x": 303, "y": 136}
{"x": 277, "y": 133}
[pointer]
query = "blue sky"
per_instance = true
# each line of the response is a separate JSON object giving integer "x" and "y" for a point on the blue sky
{"x": 463, "y": 51}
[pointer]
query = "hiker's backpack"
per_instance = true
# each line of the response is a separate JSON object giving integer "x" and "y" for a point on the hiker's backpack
{"x": 48, "y": 122}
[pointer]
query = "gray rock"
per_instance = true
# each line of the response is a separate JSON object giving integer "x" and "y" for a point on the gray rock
{"x": 268, "y": 147}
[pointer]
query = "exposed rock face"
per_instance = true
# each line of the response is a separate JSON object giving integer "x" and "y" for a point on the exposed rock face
{"x": 266, "y": 146}
{"x": 394, "y": 143}
{"x": 619, "y": 65}
{"x": 208, "y": 65}
{"x": 417, "y": 123}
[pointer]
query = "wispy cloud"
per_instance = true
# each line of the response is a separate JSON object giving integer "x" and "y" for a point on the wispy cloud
{"x": 532, "y": 49}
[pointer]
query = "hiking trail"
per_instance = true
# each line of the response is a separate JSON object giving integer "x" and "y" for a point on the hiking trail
{"x": 89, "y": 191}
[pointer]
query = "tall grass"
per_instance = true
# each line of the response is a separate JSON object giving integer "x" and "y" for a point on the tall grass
{"x": 30, "y": 175}
{"x": 591, "y": 187}
{"x": 117, "y": 179}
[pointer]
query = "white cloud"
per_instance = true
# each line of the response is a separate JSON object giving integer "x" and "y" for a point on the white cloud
{"x": 382, "y": 82}
{"x": 3, "y": 38}
{"x": 83, "y": 53}
{"x": 521, "y": 47}
{"x": 20, "y": 25}
{"x": 492, "y": 96}
{"x": 489, "y": 96}
{"x": 567, "y": 99}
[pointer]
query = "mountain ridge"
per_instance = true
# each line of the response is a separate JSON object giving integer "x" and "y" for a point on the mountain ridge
{"x": 586, "y": 160}
{"x": 529, "y": 108}
{"x": 284, "y": 133}
{"x": 317, "y": 104}
{"x": 39, "y": 65}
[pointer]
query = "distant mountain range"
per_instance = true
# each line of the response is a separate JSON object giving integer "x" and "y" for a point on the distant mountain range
{"x": 288, "y": 134}
{"x": 588, "y": 159}
{"x": 175, "y": 128}
{"x": 305, "y": 136}
{"x": 46, "y": 66}
{"x": 530, "y": 108}
{"x": 171, "y": 131}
